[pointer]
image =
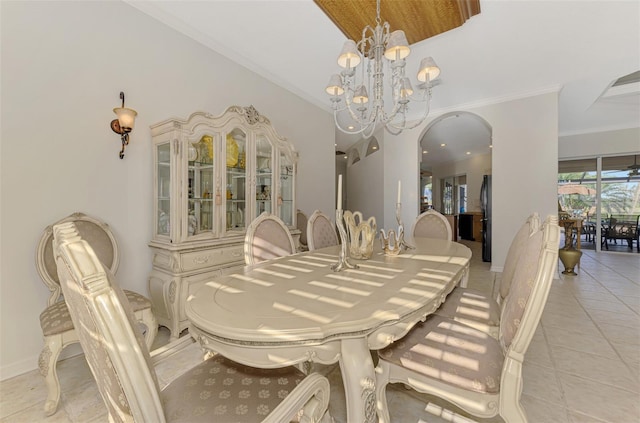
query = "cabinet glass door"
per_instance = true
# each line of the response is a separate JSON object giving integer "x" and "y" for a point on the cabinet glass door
{"x": 163, "y": 171}
{"x": 285, "y": 199}
{"x": 236, "y": 189}
{"x": 200, "y": 195}
{"x": 264, "y": 172}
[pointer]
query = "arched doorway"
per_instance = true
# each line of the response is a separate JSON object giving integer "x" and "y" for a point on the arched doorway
{"x": 455, "y": 154}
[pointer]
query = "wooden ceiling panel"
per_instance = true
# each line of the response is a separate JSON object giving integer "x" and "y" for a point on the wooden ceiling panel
{"x": 419, "y": 19}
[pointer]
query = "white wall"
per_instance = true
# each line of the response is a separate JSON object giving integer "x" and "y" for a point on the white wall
{"x": 63, "y": 66}
{"x": 620, "y": 142}
{"x": 365, "y": 182}
{"x": 524, "y": 166}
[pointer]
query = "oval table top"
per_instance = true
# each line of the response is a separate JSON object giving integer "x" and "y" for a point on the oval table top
{"x": 298, "y": 299}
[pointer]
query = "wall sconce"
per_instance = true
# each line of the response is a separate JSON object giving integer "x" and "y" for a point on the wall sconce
{"x": 124, "y": 123}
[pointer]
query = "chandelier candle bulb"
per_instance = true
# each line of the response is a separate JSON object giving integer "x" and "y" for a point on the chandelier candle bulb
{"x": 339, "y": 192}
{"x": 399, "y": 191}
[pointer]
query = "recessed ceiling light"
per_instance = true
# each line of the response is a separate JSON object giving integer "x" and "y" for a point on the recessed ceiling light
{"x": 336, "y": 144}
{"x": 424, "y": 151}
{"x": 490, "y": 145}
{"x": 468, "y": 152}
{"x": 375, "y": 148}
{"x": 345, "y": 156}
{"x": 443, "y": 145}
{"x": 350, "y": 127}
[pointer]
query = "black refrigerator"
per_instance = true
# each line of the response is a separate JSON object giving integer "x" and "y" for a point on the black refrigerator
{"x": 485, "y": 206}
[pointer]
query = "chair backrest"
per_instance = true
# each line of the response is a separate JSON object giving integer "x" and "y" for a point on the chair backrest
{"x": 432, "y": 224}
{"x": 96, "y": 233}
{"x": 301, "y": 225}
{"x": 529, "y": 227}
{"x": 321, "y": 232}
{"x": 107, "y": 330}
{"x": 267, "y": 238}
{"x": 532, "y": 279}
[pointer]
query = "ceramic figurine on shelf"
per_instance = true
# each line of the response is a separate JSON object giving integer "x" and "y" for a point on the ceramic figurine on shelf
{"x": 193, "y": 223}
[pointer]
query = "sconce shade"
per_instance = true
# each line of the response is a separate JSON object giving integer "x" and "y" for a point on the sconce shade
{"x": 360, "y": 96}
{"x": 126, "y": 118}
{"x": 428, "y": 68}
{"x": 334, "y": 87}
{"x": 397, "y": 46}
{"x": 349, "y": 57}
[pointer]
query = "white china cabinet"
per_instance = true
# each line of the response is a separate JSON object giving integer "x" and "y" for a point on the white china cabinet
{"x": 212, "y": 176}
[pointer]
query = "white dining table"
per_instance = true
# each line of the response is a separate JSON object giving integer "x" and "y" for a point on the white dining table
{"x": 296, "y": 309}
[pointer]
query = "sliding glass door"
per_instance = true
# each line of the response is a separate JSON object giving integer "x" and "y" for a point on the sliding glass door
{"x": 597, "y": 189}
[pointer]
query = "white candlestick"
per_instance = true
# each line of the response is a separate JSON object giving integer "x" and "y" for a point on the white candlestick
{"x": 339, "y": 192}
{"x": 399, "y": 190}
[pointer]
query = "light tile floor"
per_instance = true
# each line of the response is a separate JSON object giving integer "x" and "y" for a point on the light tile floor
{"x": 583, "y": 365}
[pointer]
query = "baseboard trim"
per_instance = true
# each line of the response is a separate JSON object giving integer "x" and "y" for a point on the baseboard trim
{"x": 29, "y": 364}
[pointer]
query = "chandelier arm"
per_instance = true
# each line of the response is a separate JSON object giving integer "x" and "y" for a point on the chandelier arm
{"x": 416, "y": 123}
{"x": 354, "y": 116}
{"x": 347, "y": 131}
{"x": 388, "y": 127}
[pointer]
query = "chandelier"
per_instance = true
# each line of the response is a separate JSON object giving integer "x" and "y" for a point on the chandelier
{"x": 378, "y": 49}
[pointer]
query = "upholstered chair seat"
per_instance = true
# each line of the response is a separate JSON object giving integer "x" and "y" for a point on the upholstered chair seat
{"x": 468, "y": 345}
{"x": 472, "y": 307}
{"x": 217, "y": 390}
{"x": 254, "y": 393}
{"x": 55, "y": 321}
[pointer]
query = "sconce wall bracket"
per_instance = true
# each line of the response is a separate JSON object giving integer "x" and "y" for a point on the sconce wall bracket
{"x": 126, "y": 116}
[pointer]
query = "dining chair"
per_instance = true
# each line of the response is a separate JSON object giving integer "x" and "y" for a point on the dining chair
{"x": 57, "y": 327}
{"x": 321, "y": 232}
{"x": 467, "y": 367}
{"x": 479, "y": 309}
{"x": 217, "y": 389}
{"x": 301, "y": 225}
{"x": 432, "y": 224}
{"x": 267, "y": 238}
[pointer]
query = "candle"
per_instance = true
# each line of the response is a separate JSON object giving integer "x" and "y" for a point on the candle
{"x": 339, "y": 192}
{"x": 399, "y": 190}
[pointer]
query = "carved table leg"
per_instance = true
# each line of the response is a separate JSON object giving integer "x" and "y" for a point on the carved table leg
{"x": 358, "y": 377}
